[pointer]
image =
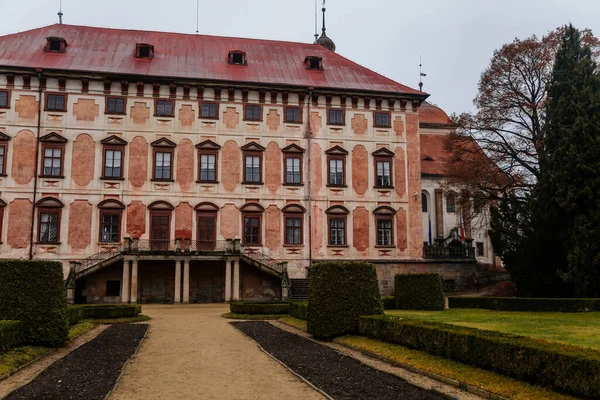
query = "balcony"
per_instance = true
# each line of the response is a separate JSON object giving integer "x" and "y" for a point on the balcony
{"x": 449, "y": 252}
{"x": 184, "y": 246}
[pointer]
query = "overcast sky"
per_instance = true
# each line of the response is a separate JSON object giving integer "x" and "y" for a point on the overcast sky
{"x": 456, "y": 38}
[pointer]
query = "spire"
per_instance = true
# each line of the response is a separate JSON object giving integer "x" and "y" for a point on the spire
{"x": 60, "y": 13}
{"x": 324, "y": 40}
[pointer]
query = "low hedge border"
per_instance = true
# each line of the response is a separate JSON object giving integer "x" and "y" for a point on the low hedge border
{"x": 572, "y": 369}
{"x": 299, "y": 309}
{"x": 389, "y": 302}
{"x": 525, "y": 304}
{"x": 11, "y": 334}
{"x": 256, "y": 308}
{"x": 419, "y": 291}
{"x": 103, "y": 311}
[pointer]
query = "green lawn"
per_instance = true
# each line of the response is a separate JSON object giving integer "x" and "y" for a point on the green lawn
{"x": 580, "y": 329}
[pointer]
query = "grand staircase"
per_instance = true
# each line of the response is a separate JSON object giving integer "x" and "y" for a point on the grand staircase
{"x": 300, "y": 288}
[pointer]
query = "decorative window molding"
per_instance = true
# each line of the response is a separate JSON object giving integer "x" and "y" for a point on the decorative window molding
{"x": 382, "y": 119}
{"x": 56, "y": 102}
{"x": 4, "y": 98}
{"x": 292, "y": 115}
{"x": 208, "y": 162}
{"x": 49, "y": 220}
{"x": 294, "y": 229}
{"x": 53, "y": 156}
{"x": 336, "y": 116}
{"x": 161, "y": 205}
{"x": 383, "y": 160}
{"x": 164, "y": 108}
{"x": 336, "y": 166}
{"x": 206, "y": 207}
{"x": 252, "y": 224}
{"x": 113, "y": 157}
{"x": 55, "y": 44}
{"x": 3, "y": 155}
{"x": 294, "y": 209}
{"x": 116, "y": 105}
{"x": 337, "y": 226}
{"x": 209, "y": 110}
{"x": 253, "y": 163}
{"x": 253, "y": 112}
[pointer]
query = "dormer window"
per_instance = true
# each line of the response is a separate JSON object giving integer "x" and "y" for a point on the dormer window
{"x": 55, "y": 44}
{"x": 313, "y": 62}
{"x": 144, "y": 50}
{"x": 237, "y": 57}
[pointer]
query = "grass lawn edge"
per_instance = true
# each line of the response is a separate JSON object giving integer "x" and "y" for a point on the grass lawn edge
{"x": 253, "y": 317}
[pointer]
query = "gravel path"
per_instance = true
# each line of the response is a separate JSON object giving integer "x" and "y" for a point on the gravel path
{"x": 90, "y": 371}
{"x": 190, "y": 352}
{"x": 340, "y": 376}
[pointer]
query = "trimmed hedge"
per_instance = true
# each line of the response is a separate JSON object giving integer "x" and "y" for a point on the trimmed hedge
{"x": 389, "y": 302}
{"x": 419, "y": 292}
{"x": 525, "y": 304}
{"x": 340, "y": 292}
{"x": 33, "y": 292}
{"x": 299, "y": 309}
{"x": 111, "y": 311}
{"x": 75, "y": 314}
{"x": 567, "y": 368}
{"x": 11, "y": 334}
{"x": 257, "y": 308}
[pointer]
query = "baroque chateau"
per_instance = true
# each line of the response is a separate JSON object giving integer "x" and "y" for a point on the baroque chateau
{"x": 164, "y": 167}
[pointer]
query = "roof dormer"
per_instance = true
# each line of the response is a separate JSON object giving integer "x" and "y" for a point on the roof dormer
{"x": 55, "y": 44}
{"x": 144, "y": 50}
{"x": 314, "y": 63}
{"x": 237, "y": 57}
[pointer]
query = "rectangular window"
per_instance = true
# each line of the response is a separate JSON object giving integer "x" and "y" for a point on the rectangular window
{"x": 252, "y": 230}
{"x": 164, "y": 108}
{"x": 479, "y": 246}
{"x": 52, "y": 161}
{"x": 115, "y": 105}
{"x": 113, "y": 161}
{"x": 56, "y": 102}
{"x": 208, "y": 167}
{"x": 49, "y": 226}
{"x": 4, "y": 99}
{"x": 162, "y": 165}
{"x": 206, "y": 231}
{"x": 2, "y": 159}
{"x": 209, "y": 110}
{"x": 113, "y": 288}
{"x": 382, "y": 119}
{"x": 335, "y": 116}
{"x": 337, "y": 231}
{"x": 252, "y": 169}
{"x": 384, "y": 232}
{"x": 293, "y": 170}
{"x": 336, "y": 171}
{"x": 110, "y": 227}
{"x": 293, "y": 115}
{"x": 384, "y": 173}
{"x": 293, "y": 230}
{"x": 252, "y": 113}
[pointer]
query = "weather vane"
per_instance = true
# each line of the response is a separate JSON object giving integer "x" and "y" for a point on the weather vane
{"x": 60, "y": 13}
{"x": 421, "y": 73}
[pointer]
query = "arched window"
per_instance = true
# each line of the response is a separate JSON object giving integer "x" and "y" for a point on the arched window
{"x": 337, "y": 222}
{"x": 160, "y": 224}
{"x": 49, "y": 216}
{"x": 424, "y": 205}
{"x": 293, "y": 216}
{"x": 252, "y": 224}
{"x": 206, "y": 225}
{"x": 384, "y": 223}
{"x": 450, "y": 203}
{"x": 111, "y": 212}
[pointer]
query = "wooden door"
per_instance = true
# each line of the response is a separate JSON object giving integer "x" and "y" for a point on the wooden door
{"x": 206, "y": 231}
{"x": 160, "y": 227}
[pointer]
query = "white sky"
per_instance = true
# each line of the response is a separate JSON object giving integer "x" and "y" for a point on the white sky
{"x": 456, "y": 38}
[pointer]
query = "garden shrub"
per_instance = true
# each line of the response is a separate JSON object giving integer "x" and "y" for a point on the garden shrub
{"x": 33, "y": 292}
{"x": 299, "y": 309}
{"x": 340, "y": 292}
{"x": 264, "y": 308}
{"x": 389, "y": 302}
{"x": 75, "y": 314}
{"x": 11, "y": 334}
{"x": 111, "y": 311}
{"x": 419, "y": 292}
{"x": 525, "y": 304}
{"x": 567, "y": 368}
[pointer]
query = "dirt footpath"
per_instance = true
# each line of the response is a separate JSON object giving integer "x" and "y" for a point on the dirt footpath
{"x": 190, "y": 352}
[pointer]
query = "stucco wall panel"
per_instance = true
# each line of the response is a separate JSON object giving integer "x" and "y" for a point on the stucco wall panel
{"x": 399, "y": 126}
{"x": 400, "y": 172}
{"x": 230, "y": 221}
{"x": 82, "y": 162}
{"x": 273, "y": 167}
{"x": 230, "y": 174}
{"x": 140, "y": 113}
{"x": 316, "y": 122}
{"x": 401, "y": 231}
{"x": 273, "y": 227}
{"x": 23, "y": 160}
{"x": 185, "y": 164}
{"x": 186, "y": 116}
{"x": 360, "y": 170}
{"x": 317, "y": 229}
{"x": 231, "y": 118}
{"x": 359, "y": 124}
{"x": 273, "y": 120}
{"x": 26, "y": 106}
{"x": 317, "y": 168}
{"x": 183, "y": 221}
{"x": 19, "y": 223}
{"x": 86, "y": 110}
{"x": 360, "y": 231}
{"x": 138, "y": 162}
{"x": 415, "y": 217}
{"x": 80, "y": 224}
{"x": 136, "y": 219}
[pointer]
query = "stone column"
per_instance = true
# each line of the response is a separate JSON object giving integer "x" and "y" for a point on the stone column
{"x": 186, "y": 281}
{"x": 125, "y": 283}
{"x": 134, "y": 280}
{"x": 439, "y": 213}
{"x": 177, "y": 281}
{"x": 236, "y": 280}
{"x": 228, "y": 280}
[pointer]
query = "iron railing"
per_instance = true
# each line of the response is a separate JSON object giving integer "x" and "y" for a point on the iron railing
{"x": 449, "y": 253}
{"x": 264, "y": 259}
{"x": 203, "y": 245}
{"x": 97, "y": 258}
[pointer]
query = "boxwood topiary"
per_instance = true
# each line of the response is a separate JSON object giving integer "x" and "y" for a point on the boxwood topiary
{"x": 419, "y": 292}
{"x": 33, "y": 292}
{"x": 340, "y": 292}
{"x": 299, "y": 309}
{"x": 11, "y": 334}
{"x": 389, "y": 302}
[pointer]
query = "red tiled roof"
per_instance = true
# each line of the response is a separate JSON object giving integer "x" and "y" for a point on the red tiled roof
{"x": 103, "y": 50}
{"x": 433, "y": 154}
{"x": 430, "y": 114}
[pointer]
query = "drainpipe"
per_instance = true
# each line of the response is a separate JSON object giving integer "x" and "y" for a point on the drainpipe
{"x": 37, "y": 158}
{"x": 309, "y": 183}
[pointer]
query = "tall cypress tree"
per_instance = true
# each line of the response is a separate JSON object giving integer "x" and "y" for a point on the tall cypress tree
{"x": 566, "y": 200}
